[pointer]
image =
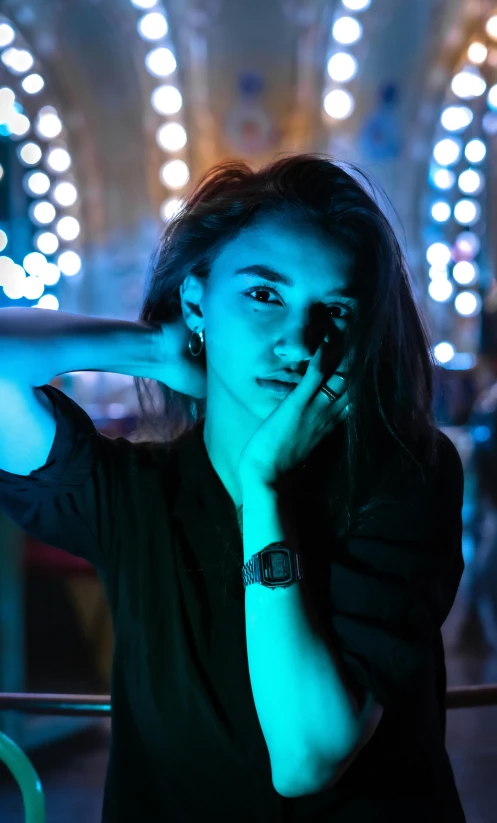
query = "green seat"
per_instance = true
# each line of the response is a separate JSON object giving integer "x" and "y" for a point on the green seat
{"x": 25, "y": 774}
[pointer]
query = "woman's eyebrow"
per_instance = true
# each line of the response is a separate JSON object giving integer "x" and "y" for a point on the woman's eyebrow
{"x": 261, "y": 270}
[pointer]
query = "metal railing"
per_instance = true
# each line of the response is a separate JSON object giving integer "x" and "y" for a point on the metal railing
{"x": 98, "y": 705}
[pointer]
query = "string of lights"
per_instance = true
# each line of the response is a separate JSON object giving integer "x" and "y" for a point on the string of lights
{"x": 41, "y": 148}
{"x": 342, "y": 65}
{"x": 455, "y": 206}
{"x": 39, "y": 135}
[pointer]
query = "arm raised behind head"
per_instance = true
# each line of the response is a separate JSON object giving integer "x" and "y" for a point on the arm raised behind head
{"x": 38, "y": 344}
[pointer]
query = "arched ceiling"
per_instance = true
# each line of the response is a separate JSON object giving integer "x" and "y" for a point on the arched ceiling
{"x": 93, "y": 64}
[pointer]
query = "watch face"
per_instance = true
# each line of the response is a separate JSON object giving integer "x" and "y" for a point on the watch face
{"x": 273, "y": 567}
{"x": 276, "y": 567}
{"x": 279, "y": 569}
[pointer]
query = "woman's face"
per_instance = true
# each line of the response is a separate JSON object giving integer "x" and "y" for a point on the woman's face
{"x": 252, "y": 332}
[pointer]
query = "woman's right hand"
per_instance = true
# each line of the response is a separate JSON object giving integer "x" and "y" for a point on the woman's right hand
{"x": 176, "y": 367}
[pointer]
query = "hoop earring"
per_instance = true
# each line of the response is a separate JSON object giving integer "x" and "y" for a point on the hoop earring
{"x": 200, "y": 336}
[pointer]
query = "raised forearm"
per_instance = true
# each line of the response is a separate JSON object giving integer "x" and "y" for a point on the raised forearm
{"x": 306, "y": 712}
{"x": 38, "y": 344}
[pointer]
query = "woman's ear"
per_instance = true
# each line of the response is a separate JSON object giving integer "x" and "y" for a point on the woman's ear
{"x": 191, "y": 293}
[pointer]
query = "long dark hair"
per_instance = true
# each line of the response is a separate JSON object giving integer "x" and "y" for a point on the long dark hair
{"x": 391, "y": 378}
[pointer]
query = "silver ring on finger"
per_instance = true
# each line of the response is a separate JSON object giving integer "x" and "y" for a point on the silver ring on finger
{"x": 330, "y": 394}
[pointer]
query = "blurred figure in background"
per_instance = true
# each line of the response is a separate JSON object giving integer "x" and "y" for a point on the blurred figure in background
{"x": 479, "y": 630}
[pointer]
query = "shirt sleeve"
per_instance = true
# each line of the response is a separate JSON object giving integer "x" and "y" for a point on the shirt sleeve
{"x": 395, "y": 581}
{"x": 73, "y": 500}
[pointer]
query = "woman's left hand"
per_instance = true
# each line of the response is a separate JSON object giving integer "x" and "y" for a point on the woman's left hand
{"x": 290, "y": 433}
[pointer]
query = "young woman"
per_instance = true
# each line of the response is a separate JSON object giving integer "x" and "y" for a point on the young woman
{"x": 278, "y": 568}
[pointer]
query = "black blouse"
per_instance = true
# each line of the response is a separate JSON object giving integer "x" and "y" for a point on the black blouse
{"x": 161, "y": 530}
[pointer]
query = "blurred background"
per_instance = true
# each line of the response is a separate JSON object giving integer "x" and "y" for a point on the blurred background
{"x": 110, "y": 111}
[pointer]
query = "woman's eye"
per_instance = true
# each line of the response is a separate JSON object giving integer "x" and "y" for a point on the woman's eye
{"x": 259, "y": 289}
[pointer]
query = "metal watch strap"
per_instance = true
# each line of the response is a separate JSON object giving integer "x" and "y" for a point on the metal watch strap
{"x": 253, "y": 570}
